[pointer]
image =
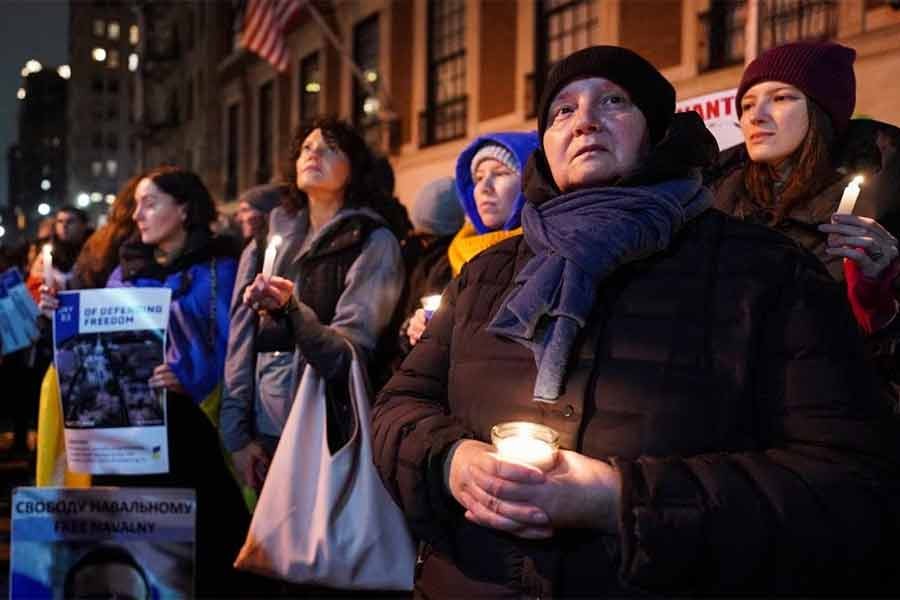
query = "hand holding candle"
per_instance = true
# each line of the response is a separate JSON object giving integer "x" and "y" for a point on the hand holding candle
{"x": 848, "y": 199}
{"x": 269, "y": 258}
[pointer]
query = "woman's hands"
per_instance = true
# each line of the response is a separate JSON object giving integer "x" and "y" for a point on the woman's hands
{"x": 252, "y": 463}
{"x": 270, "y": 293}
{"x": 862, "y": 240}
{"x": 49, "y": 302}
{"x": 164, "y": 377}
{"x": 521, "y": 500}
{"x": 416, "y": 326}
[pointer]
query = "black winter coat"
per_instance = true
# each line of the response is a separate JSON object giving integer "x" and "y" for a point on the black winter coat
{"x": 724, "y": 379}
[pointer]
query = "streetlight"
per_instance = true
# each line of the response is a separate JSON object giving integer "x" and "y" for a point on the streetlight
{"x": 20, "y": 94}
{"x": 2, "y": 231}
{"x": 64, "y": 71}
{"x": 43, "y": 209}
{"x": 99, "y": 54}
{"x": 45, "y": 184}
{"x": 83, "y": 199}
{"x": 33, "y": 66}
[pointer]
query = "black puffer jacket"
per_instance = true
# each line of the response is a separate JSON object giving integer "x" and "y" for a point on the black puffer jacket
{"x": 724, "y": 378}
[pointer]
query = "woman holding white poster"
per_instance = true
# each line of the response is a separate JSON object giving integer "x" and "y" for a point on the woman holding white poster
{"x": 175, "y": 248}
{"x": 828, "y": 182}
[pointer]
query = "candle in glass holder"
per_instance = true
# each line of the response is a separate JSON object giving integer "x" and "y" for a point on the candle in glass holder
{"x": 848, "y": 199}
{"x": 528, "y": 443}
{"x": 47, "y": 262}
{"x": 269, "y": 258}
{"x": 431, "y": 304}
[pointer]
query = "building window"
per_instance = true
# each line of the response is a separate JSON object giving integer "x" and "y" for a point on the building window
{"x": 96, "y": 168}
{"x": 97, "y": 85}
{"x": 366, "y": 106}
{"x": 99, "y": 27}
{"x": 563, "y": 26}
{"x": 112, "y": 142}
{"x": 112, "y": 112}
{"x": 112, "y": 167}
{"x": 310, "y": 87}
{"x": 113, "y": 30}
{"x": 721, "y": 39}
{"x": 445, "y": 115}
{"x": 264, "y": 112}
{"x": 231, "y": 159}
{"x": 112, "y": 59}
{"x": 134, "y": 35}
{"x": 783, "y": 21}
{"x": 113, "y": 85}
{"x": 97, "y": 140}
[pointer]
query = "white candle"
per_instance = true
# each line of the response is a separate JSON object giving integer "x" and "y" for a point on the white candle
{"x": 269, "y": 258}
{"x": 47, "y": 261}
{"x": 528, "y": 443}
{"x": 851, "y": 193}
{"x": 431, "y": 304}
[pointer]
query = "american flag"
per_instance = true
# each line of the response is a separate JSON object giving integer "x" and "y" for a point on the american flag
{"x": 264, "y": 26}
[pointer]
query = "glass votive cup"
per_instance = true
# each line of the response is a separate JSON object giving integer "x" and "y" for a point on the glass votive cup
{"x": 528, "y": 443}
{"x": 431, "y": 304}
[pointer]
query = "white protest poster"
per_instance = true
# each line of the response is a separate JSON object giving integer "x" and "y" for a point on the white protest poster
{"x": 106, "y": 344}
{"x": 719, "y": 113}
{"x": 102, "y": 543}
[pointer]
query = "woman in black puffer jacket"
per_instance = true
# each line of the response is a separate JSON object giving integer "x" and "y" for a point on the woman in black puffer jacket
{"x": 720, "y": 431}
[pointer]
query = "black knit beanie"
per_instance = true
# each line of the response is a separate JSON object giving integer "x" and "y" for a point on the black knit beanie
{"x": 649, "y": 90}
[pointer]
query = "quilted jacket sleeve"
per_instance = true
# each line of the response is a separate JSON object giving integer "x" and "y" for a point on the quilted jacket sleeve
{"x": 813, "y": 509}
{"x": 412, "y": 428}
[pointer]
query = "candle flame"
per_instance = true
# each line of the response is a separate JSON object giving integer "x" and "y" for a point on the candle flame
{"x": 432, "y": 302}
{"x": 858, "y": 180}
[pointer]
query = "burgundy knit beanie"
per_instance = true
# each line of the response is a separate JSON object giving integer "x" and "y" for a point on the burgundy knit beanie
{"x": 821, "y": 70}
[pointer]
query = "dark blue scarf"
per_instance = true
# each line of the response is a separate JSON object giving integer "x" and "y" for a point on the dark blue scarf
{"x": 578, "y": 240}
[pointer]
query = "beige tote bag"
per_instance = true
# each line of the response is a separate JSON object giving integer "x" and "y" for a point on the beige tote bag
{"x": 328, "y": 519}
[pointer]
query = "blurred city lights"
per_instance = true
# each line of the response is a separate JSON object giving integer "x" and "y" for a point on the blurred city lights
{"x": 99, "y": 54}
{"x": 21, "y": 94}
{"x": 43, "y": 209}
{"x": 64, "y": 71}
{"x": 45, "y": 184}
{"x": 83, "y": 199}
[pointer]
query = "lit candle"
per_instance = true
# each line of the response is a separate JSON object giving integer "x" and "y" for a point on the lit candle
{"x": 431, "y": 304}
{"x": 47, "y": 260}
{"x": 269, "y": 259}
{"x": 851, "y": 193}
{"x": 528, "y": 443}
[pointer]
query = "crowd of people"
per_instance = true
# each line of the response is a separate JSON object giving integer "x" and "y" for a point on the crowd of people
{"x": 714, "y": 346}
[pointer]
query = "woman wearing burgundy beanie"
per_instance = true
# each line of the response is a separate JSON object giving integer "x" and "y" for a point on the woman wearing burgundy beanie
{"x": 801, "y": 150}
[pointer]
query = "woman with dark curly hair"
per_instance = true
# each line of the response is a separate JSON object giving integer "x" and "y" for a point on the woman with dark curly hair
{"x": 336, "y": 280}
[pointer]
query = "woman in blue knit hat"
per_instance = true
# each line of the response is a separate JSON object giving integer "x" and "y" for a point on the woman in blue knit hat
{"x": 489, "y": 187}
{"x": 800, "y": 153}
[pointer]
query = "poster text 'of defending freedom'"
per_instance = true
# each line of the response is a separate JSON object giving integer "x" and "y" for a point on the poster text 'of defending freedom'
{"x": 102, "y": 543}
{"x": 106, "y": 344}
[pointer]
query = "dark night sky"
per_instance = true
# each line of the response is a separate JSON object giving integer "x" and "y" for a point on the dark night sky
{"x": 36, "y": 29}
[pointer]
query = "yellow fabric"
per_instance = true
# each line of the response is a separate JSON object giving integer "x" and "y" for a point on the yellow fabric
{"x": 212, "y": 404}
{"x": 468, "y": 243}
{"x": 52, "y": 469}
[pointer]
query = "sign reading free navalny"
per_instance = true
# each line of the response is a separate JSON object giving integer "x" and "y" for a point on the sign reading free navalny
{"x": 102, "y": 543}
{"x": 106, "y": 345}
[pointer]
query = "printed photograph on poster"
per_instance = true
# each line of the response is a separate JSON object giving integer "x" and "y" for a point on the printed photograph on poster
{"x": 106, "y": 344}
{"x": 102, "y": 543}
